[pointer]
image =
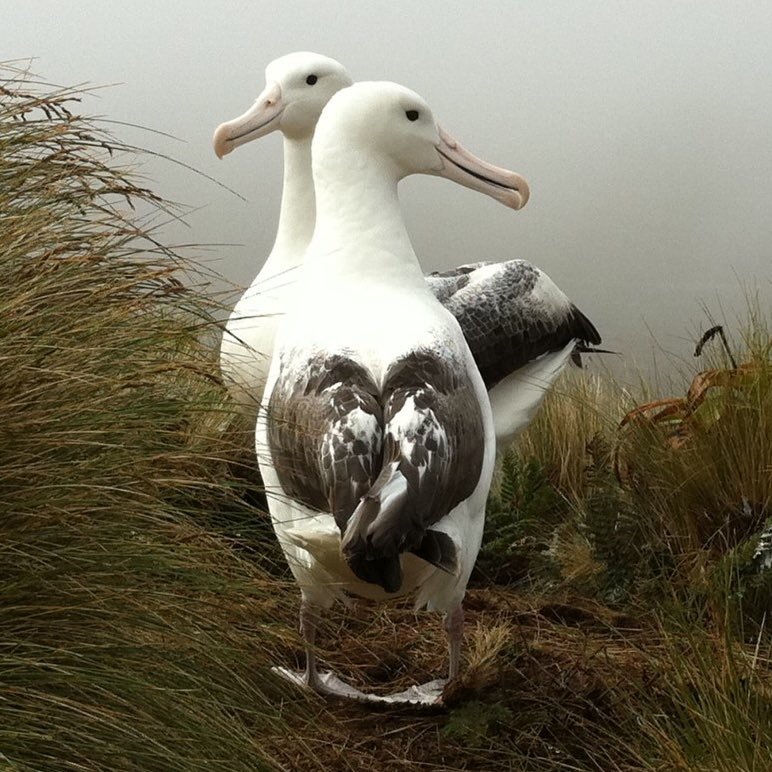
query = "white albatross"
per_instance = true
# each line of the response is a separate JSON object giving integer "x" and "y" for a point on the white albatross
{"x": 520, "y": 326}
{"x": 298, "y": 86}
{"x": 375, "y": 437}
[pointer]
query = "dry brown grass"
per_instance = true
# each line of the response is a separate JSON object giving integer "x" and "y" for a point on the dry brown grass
{"x": 130, "y": 637}
{"x": 556, "y": 682}
{"x": 578, "y": 409}
{"x": 135, "y": 635}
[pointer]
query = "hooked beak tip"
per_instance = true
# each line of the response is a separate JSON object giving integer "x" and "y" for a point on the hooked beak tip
{"x": 459, "y": 165}
{"x": 220, "y": 141}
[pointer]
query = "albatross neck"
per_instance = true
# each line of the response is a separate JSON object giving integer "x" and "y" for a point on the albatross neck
{"x": 360, "y": 231}
{"x": 296, "y": 218}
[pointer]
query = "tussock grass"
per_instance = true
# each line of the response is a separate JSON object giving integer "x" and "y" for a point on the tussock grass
{"x": 710, "y": 706}
{"x": 716, "y": 490}
{"x": 663, "y": 522}
{"x": 578, "y": 411}
{"x": 684, "y": 493}
{"x": 617, "y": 622}
{"x": 130, "y": 638}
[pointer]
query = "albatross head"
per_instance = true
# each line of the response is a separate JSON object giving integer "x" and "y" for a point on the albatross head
{"x": 397, "y": 125}
{"x": 297, "y": 87}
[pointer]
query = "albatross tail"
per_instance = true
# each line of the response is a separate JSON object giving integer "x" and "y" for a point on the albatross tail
{"x": 376, "y": 535}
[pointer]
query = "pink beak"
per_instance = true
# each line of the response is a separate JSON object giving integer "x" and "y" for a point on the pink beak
{"x": 459, "y": 165}
{"x": 261, "y": 119}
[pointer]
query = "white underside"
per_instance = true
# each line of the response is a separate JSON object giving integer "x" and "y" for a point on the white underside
{"x": 516, "y": 398}
{"x": 250, "y": 333}
{"x": 311, "y": 545}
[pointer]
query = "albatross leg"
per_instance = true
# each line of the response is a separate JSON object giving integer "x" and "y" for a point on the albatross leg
{"x": 328, "y": 683}
{"x": 454, "y": 627}
{"x": 321, "y": 683}
{"x": 431, "y": 693}
{"x": 309, "y": 623}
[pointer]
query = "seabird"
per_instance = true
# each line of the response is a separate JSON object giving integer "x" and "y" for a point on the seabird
{"x": 520, "y": 326}
{"x": 375, "y": 437}
{"x": 298, "y": 86}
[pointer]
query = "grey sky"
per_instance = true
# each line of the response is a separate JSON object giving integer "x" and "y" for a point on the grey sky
{"x": 644, "y": 129}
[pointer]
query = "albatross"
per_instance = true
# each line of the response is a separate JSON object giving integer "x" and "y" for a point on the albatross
{"x": 375, "y": 436}
{"x": 522, "y": 329}
{"x": 297, "y": 87}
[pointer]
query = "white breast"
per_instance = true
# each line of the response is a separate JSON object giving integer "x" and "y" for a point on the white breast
{"x": 378, "y": 324}
{"x": 250, "y": 334}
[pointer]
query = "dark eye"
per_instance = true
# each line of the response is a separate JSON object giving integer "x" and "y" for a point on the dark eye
{"x": 412, "y": 115}
{"x": 311, "y": 79}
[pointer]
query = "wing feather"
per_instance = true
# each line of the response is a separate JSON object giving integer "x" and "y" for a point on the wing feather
{"x": 433, "y": 454}
{"x": 511, "y": 313}
{"x": 387, "y": 463}
{"x": 325, "y": 431}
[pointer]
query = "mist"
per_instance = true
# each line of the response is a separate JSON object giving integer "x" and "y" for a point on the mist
{"x": 644, "y": 130}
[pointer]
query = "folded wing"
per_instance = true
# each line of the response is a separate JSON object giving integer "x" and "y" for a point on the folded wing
{"x": 510, "y": 313}
{"x": 388, "y": 462}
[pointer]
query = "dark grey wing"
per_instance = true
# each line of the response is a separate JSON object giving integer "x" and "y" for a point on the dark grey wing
{"x": 446, "y": 283}
{"x": 325, "y": 431}
{"x": 432, "y": 459}
{"x": 511, "y": 313}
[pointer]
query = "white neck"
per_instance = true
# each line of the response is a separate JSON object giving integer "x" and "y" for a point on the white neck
{"x": 360, "y": 232}
{"x": 296, "y": 219}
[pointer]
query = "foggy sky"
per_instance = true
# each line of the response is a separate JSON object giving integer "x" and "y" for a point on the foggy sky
{"x": 643, "y": 128}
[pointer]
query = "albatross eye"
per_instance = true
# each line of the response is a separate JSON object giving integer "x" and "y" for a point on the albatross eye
{"x": 311, "y": 79}
{"x": 412, "y": 115}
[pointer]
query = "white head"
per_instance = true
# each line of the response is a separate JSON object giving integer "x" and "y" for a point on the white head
{"x": 396, "y": 125}
{"x": 297, "y": 87}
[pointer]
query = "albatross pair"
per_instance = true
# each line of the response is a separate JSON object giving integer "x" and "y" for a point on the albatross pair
{"x": 520, "y": 326}
{"x": 376, "y": 437}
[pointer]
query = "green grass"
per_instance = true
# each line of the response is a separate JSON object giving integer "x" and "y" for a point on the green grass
{"x": 618, "y": 618}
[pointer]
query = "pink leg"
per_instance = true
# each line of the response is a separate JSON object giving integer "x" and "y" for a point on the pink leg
{"x": 309, "y": 621}
{"x": 454, "y": 627}
{"x": 329, "y": 684}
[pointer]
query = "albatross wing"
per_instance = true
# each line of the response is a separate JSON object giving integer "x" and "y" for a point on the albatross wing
{"x": 387, "y": 462}
{"x": 511, "y": 314}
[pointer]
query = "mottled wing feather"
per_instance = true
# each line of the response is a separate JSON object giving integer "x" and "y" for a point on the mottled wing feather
{"x": 325, "y": 429}
{"x": 511, "y": 313}
{"x": 432, "y": 458}
{"x": 461, "y": 270}
{"x": 444, "y": 284}
{"x": 433, "y": 424}
{"x": 387, "y": 463}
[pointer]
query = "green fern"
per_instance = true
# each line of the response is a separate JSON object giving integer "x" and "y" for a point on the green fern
{"x": 520, "y": 521}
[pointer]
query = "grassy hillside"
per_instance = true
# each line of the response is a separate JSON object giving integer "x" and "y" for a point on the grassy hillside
{"x": 130, "y": 637}
{"x": 618, "y": 618}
